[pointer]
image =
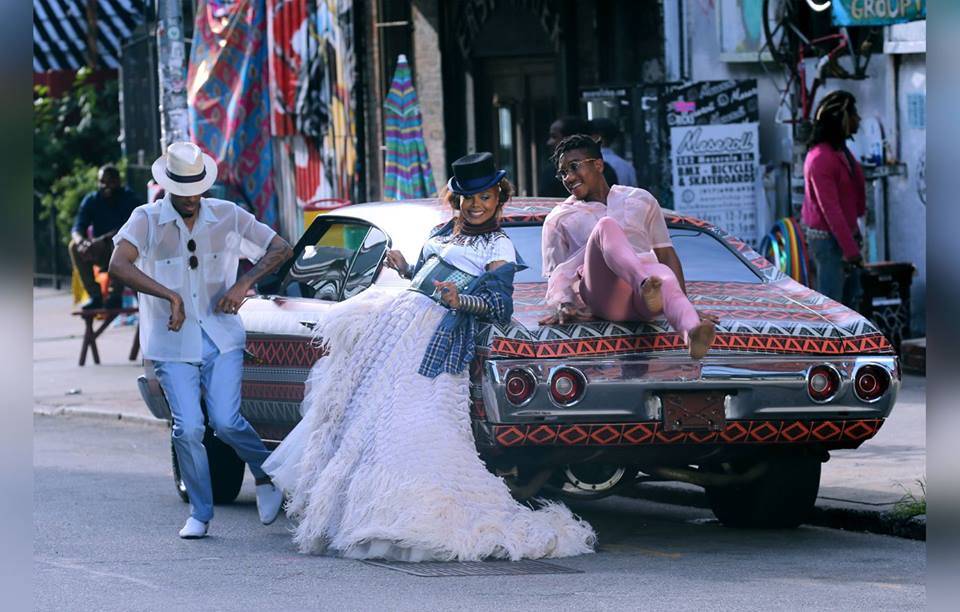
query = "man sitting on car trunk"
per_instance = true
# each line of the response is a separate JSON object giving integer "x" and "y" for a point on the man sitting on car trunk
{"x": 606, "y": 251}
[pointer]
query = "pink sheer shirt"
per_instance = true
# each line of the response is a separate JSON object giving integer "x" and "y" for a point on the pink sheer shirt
{"x": 568, "y": 226}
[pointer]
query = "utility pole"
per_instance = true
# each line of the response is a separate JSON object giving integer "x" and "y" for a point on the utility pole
{"x": 172, "y": 69}
{"x": 92, "y": 55}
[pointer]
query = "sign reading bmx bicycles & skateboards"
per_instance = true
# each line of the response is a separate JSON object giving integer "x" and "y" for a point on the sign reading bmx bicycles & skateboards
{"x": 715, "y": 155}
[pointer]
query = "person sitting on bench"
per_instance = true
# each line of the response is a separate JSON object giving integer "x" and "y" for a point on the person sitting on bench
{"x": 106, "y": 210}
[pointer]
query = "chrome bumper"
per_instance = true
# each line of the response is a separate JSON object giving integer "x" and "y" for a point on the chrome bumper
{"x": 628, "y": 388}
{"x": 152, "y": 394}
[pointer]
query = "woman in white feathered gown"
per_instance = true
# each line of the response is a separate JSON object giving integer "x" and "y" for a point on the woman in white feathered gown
{"x": 383, "y": 463}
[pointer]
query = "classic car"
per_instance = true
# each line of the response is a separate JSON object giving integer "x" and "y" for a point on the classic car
{"x": 585, "y": 410}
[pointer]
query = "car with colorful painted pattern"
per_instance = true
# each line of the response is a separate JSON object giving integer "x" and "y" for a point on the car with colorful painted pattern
{"x": 593, "y": 408}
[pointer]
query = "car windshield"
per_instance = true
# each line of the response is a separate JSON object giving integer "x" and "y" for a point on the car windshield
{"x": 703, "y": 256}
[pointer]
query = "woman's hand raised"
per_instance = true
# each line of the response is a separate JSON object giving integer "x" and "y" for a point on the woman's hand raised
{"x": 395, "y": 259}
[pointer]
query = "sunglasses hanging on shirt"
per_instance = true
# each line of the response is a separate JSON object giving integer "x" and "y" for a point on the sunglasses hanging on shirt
{"x": 192, "y": 246}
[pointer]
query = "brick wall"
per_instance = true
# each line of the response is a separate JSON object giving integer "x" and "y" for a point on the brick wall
{"x": 428, "y": 79}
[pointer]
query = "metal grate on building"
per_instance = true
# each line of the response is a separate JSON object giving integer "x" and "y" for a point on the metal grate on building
{"x": 437, "y": 569}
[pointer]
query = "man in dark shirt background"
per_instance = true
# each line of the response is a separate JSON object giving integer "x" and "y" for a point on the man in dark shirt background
{"x": 105, "y": 210}
{"x": 549, "y": 185}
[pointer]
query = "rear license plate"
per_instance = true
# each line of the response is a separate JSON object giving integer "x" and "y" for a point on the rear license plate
{"x": 693, "y": 411}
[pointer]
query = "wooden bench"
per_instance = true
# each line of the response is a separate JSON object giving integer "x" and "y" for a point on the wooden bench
{"x": 90, "y": 334}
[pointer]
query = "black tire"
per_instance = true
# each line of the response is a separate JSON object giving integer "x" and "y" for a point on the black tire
{"x": 226, "y": 470}
{"x": 781, "y": 498}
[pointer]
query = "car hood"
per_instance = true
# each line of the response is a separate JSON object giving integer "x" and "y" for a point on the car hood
{"x": 782, "y": 317}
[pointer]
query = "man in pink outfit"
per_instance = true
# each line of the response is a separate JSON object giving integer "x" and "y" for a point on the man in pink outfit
{"x": 607, "y": 252}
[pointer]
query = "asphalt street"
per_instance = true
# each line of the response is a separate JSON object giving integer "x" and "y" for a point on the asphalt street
{"x": 106, "y": 517}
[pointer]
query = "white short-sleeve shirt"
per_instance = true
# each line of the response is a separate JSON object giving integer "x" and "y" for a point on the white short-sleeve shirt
{"x": 471, "y": 253}
{"x": 222, "y": 234}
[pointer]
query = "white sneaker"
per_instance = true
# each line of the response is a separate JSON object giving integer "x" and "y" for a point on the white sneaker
{"x": 194, "y": 529}
{"x": 269, "y": 501}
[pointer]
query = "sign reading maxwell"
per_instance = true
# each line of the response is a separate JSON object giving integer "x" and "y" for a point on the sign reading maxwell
{"x": 715, "y": 175}
{"x": 877, "y": 12}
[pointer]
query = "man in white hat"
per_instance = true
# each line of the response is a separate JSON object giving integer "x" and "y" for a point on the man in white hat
{"x": 181, "y": 254}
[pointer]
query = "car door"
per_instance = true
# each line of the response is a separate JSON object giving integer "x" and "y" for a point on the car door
{"x": 337, "y": 258}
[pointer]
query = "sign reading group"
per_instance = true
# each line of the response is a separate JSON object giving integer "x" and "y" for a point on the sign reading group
{"x": 715, "y": 175}
{"x": 877, "y": 12}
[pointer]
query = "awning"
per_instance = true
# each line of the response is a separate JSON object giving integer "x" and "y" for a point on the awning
{"x": 60, "y": 32}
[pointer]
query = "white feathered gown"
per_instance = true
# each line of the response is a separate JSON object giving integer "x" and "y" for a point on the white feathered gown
{"x": 383, "y": 464}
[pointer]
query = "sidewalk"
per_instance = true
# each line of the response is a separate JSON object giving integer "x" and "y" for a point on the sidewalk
{"x": 858, "y": 487}
{"x": 59, "y": 383}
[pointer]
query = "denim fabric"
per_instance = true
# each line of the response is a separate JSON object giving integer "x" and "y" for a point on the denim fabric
{"x": 453, "y": 345}
{"x": 833, "y": 280}
{"x": 217, "y": 377}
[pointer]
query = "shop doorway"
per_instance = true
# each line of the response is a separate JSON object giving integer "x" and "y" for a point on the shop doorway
{"x": 516, "y": 101}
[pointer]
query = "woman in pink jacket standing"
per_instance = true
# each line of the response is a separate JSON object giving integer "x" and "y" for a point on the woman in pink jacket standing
{"x": 834, "y": 199}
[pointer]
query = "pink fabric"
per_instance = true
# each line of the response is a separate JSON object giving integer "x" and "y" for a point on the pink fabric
{"x": 568, "y": 227}
{"x": 834, "y": 195}
{"x": 612, "y": 279}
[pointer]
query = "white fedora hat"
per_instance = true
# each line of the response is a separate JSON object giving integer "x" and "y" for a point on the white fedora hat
{"x": 185, "y": 170}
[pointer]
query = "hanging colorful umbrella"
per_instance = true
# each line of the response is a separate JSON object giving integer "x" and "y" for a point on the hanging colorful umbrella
{"x": 407, "y": 169}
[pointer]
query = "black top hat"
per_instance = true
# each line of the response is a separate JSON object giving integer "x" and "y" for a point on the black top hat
{"x": 474, "y": 173}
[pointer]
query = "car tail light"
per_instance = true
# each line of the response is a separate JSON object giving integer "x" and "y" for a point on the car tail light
{"x": 823, "y": 382}
{"x": 567, "y": 386}
{"x": 871, "y": 382}
{"x": 520, "y": 385}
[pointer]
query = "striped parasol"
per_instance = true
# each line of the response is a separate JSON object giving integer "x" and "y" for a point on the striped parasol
{"x": 408, "y": 173}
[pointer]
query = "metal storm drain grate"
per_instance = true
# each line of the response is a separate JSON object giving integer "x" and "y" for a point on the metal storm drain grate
{"x": 435, "y": 569}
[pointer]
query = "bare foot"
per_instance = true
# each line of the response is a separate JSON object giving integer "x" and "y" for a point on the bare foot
{"x": 701, "y": 337}
{"x": 652, "y": 296}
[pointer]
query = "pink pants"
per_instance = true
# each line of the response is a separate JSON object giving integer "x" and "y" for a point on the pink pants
{"x": 612, "y": 275}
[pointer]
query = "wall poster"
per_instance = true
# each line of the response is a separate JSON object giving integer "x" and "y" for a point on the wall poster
{"x": 715, "y": 175}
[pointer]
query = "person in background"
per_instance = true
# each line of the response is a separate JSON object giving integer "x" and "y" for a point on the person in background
{"x": 105, "y": 211}
{"x": 834, "y": 199}
{"x": 607, "y": 132}
{"x": 549, "y": 186}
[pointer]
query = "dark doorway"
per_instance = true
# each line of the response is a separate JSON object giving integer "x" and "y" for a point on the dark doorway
{"x": 516, "y": 101}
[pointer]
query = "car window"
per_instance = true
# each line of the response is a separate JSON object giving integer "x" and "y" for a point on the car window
{"x": 336, "y": 259}
{"x": 526, "y": 240}
{"x": 703, "y": 256}
{"x": 365, "y": 263}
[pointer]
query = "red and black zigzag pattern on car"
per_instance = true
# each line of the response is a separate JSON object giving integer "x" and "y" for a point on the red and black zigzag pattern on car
{"x": 283, "y": 351}
{"x": 625, "y": 345}
{"x": 281, "y": 392}
{"x": 834, "y": 433}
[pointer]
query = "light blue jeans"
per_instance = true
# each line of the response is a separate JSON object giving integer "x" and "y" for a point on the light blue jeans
{"x": 217, "y": 377}
{"x": 833, "y": 280}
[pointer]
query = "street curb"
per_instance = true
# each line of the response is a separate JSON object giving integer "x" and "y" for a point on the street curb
{"x": 92, "y": 413}
{"x": 833, "y": 517}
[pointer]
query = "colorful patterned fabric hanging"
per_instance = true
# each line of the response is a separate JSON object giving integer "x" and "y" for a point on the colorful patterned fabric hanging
{"x": 228, "y": 97}
{"x": 312, "y": 97}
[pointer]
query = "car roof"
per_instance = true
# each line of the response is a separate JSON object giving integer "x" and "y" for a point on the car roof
{"x": 415, "y": 218}
{"x": 518, "y": 210}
